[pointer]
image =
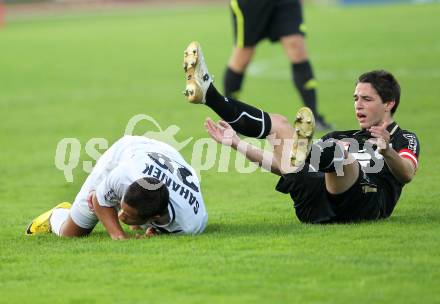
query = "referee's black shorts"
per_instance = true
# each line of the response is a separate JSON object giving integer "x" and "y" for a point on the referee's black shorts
{"x": 365, "y": 200}
{"x": 255, "y": 20}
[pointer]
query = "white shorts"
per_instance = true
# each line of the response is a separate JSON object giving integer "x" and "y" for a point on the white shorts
{"x": 80, "y": 211}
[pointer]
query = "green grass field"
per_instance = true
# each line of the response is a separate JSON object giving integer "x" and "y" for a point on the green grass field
{"x": 85, "y": 75}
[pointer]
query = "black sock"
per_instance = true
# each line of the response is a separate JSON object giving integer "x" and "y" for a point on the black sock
{"x": 305, "y": 83}
{"x": 327, "y": 156}
{"x": 243, "y": 118}
{"x": 232, "y": 83}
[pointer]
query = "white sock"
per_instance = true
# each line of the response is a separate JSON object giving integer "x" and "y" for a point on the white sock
{"x": 57, "y": 219}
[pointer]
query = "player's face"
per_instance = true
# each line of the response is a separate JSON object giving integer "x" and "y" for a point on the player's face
{"x": 369, "y": 108}
{"x": 129, "y": 215}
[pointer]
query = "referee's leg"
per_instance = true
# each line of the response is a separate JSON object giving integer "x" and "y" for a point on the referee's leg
{"x": 302, "y": 73}
{"x": 235, "y": 70}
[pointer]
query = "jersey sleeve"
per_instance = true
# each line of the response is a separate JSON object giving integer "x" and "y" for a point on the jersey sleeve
{"x": 408, "y": 147}
{"x": 328, "y": 136}
{"x": 111, "y": 190}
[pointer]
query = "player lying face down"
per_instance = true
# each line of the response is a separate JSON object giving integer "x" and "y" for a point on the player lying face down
{"x": 138, "y": 181}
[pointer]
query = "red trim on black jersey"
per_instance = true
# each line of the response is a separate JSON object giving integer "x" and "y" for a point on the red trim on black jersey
{"x": 406, "y": 153}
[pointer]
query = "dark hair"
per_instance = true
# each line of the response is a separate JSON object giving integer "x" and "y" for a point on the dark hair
{"x": 385, "y": 85}
{"x": 148, "y": 196}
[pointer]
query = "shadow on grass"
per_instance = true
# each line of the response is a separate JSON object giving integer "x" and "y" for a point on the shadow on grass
{"x": 294, "y": 227}
{"x": 417, "y": 217}
{"x": 273, "y": 228}
{"x": 240, "y": 229}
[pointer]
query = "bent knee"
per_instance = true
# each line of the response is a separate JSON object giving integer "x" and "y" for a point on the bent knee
{"x": 278, "y": 119}
{"x": 71, "y": 229}
{"x": 295, "y": 48}
{"x": 240, "y": 59}
{"x": 280, "y": 124}
{"x": 293, "y": 41}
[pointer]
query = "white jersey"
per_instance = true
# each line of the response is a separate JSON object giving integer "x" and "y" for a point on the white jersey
{"x": 134, "y": 157}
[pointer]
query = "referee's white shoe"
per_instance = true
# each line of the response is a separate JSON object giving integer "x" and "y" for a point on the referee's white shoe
{"x": 197, "y": 76}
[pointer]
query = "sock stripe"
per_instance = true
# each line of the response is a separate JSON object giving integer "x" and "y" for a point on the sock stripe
{"x": 263, "y": 128}
{"x": 248, "y": 115}
{"x": 311, "y": 84}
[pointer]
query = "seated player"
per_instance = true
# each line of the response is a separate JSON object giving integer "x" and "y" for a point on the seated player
{"x": 330, "y": 181}
{"x": 150, "y": 184}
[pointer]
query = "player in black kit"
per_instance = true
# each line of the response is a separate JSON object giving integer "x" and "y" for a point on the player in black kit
{"x": 346, "y": 176}
{"x": 277, "y": 20}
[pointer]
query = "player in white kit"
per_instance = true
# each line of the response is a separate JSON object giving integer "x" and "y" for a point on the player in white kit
{"x": 138, "y": 181}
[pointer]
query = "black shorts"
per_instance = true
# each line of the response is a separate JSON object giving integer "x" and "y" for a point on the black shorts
{"x": 365, "y": 200}
{"x": 255, "y": 20}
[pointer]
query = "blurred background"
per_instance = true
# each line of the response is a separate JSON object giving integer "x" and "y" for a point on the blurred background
{"x": 16, "y": 8}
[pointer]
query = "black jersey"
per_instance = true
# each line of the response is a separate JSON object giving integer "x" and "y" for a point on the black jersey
{"x": 375, "y": 169}
{"x": 374, "y": 194}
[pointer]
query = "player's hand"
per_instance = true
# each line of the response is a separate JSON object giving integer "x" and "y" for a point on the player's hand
{"x": 381, "y": 137}
{"x": 89, "y": 200}
{"x": 119, "y": 237}
{"x": 150, "y": 232}
{"x": 221, "y": 132}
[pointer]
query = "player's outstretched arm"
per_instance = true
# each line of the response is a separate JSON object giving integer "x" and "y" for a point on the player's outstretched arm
{"x": 225, "y": 135}
{"x": 109, "y": 218}
{"x": 402, "y": 169}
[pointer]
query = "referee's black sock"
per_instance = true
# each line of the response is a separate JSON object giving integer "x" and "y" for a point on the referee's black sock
{"x": 243, "y": 118}
{"x": 232, "y": 82}
{"x": 327, "y": 156}
{"x": 305, "y": 83}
